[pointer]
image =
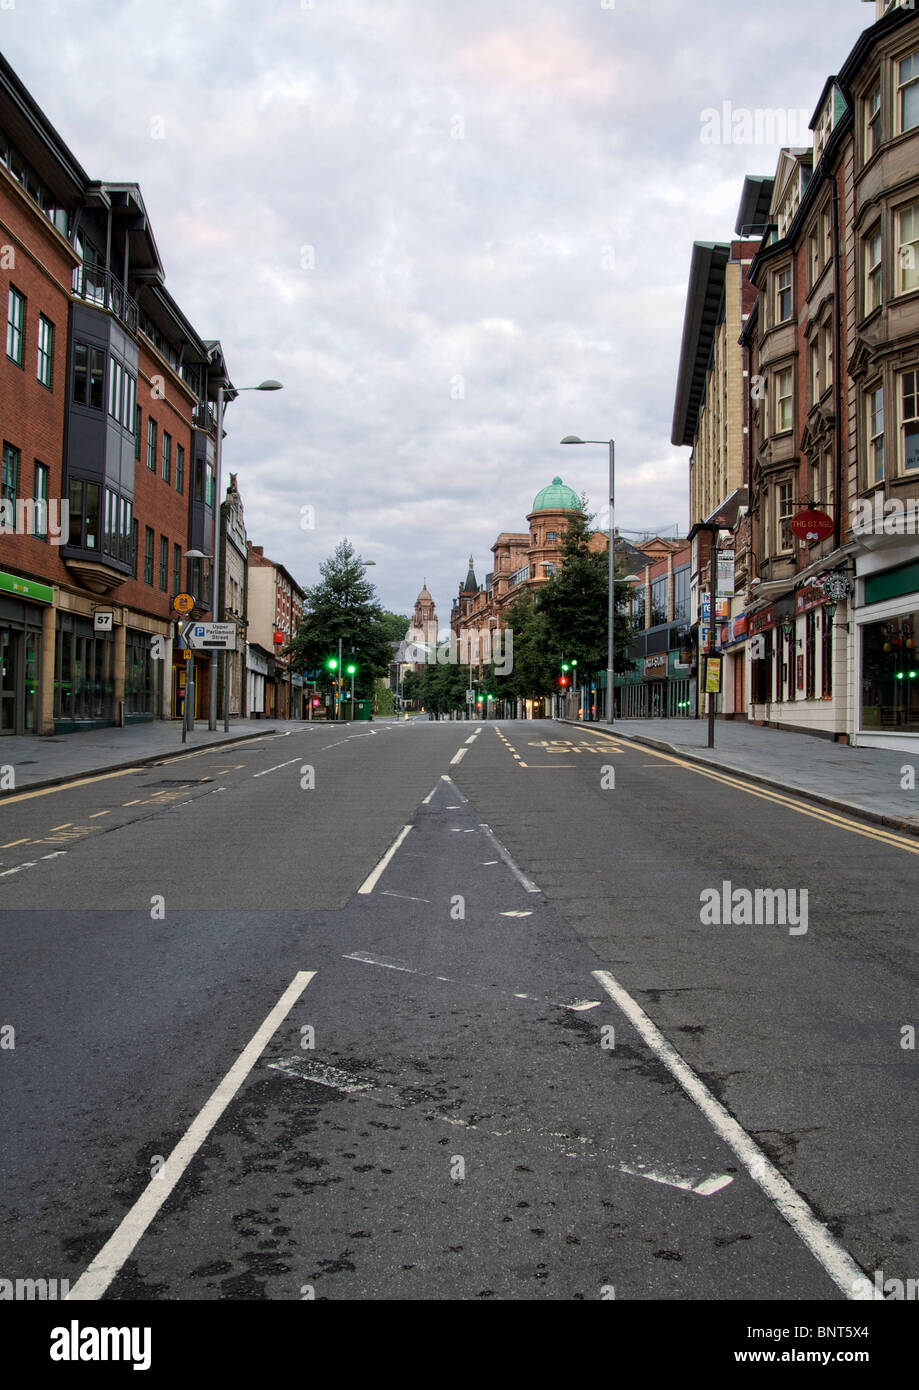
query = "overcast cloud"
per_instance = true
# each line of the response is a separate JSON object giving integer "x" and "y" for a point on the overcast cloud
{"x": 455, "y": 231}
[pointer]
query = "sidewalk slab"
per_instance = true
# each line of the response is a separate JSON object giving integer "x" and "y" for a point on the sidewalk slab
{"x": 47, "y": 762}
{"x": 864, "y": 782}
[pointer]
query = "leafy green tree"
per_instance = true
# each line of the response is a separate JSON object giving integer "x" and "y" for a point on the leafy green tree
{"x": 575, "y": 606}
{"x": 534, "y": 671}
{"x": 343, "y": 606}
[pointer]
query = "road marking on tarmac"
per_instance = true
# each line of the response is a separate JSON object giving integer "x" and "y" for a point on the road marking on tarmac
{"x": 94, "y": 1281}
{"x": 836, "y": 1260}
{"x": 372, "y": 878}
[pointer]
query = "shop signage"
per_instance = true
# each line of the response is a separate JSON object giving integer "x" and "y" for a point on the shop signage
{"x": 278, "y": 638}
{"x": 739, "y": 627}
{"x": 721, "y": 607}
{"x": 656, "y": 665}
{"x": 726, "y": 573}
{"x": 800, "y": 672}
{"x": 26, "y": 588}
{"x": 103, "y": 622}
{"x": 760, "y": 621}
{"x": 811, "y": 525}
{"x": 836, "y": 586}
{"x": 809, "y": 598}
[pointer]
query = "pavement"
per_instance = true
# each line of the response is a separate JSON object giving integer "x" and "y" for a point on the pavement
{"x": 867, "y": 782}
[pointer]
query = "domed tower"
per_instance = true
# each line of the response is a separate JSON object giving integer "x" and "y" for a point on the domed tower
{"x": 553, "y": 507}
{"x": 423, "y": 629}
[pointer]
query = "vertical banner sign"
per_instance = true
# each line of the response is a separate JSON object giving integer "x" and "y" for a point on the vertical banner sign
{"x": 725, "y": 574}
{"x": 713, "y": 675}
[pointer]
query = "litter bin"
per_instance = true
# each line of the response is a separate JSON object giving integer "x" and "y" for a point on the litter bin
{"x": 363, "y": 709}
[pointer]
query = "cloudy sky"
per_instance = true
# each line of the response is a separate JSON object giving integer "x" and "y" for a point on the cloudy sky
{"x": 456, "y": 230}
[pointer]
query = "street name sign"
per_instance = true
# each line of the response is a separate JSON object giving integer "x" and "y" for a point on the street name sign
{"x": 219, "y": 637}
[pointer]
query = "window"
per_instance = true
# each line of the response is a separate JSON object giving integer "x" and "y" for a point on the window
{"x": 908, "y": 248}
{"x": 88, "y": 375}
{"x": 9, "y": 477}
{"x": 551, "y": 536}
{"x": 137, "y": 423}
{"x": 908, "y": 92}
{"x": 872, "y": 271}
{"x": 176, "y": 568}
{"x": 873, "y": 122}
{"x": 810, "y": 655}
{"x": 167, "y": 456}
{"x": 813, "y": 259}
{"x": 659, "y": 600}
{"x": 681, "y": 595}
{"x": 813, "y": 369}
{"x": 783, "y": 400}
{"x": 876, "y": 435}
{"x": 785, "y": 510}
{"x": 122, "y": 395}
{"x": 164, "y": 562}
{"x": 148, "y": 554}
{"x": 826, "y": 663}
{"x": 909, "y": 422}
{"x": 15, "y": 322}
{"x": 180, "y": 468}
{"x": 783, "y": 296}
{"x": 199, "y": 480}
{"x": 134, "y": 549}
{"x": 151, "y": 444}
{"x": 209, "y": 484}
{"x": 84, "y": 514}
{"x": 40, "y": 496}
{"x": 115, "y": 388}
{"x": 827, "y": 224}
{"x": 45, "y": 350}
{"x": 828, "y": 356}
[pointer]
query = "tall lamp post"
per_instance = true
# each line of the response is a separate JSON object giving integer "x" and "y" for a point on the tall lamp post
{"x": 223, "y": 393}
{"x": 611, "y": 622}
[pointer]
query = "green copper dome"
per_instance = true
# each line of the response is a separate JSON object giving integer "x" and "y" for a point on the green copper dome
{"x": 557, "y": 497}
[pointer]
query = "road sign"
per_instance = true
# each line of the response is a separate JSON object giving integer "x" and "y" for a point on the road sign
{"x": 213, "y": 636}
{"x": 183, "y": 603}
{"x": 102, "y": 622}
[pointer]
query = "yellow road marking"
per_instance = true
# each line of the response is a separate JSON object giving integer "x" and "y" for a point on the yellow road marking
{"x": 95, "y": 814}
{"x": 132, "y": 803}
{"x": 791, "y": 803}
{"x": 60, "y": 827}
{"x": 80, "y": 782}
{"x": 11, "y": 843}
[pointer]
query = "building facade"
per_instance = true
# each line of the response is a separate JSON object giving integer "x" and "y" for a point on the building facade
{"x": 275, "y": 606}
{"x": 108, "y": 445}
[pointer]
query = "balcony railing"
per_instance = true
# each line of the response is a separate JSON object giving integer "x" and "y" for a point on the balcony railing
{"x": 100, "y": 287}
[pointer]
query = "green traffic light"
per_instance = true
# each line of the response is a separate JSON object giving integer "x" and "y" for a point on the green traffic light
{"x": 564, "y": 665}
{"x": 332, "y": 663}
{"x": 899, "y": 675}
{"x": 351, "y": 669}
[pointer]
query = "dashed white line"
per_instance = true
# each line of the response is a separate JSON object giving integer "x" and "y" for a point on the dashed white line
{"x": 275, "y": 769}
{"x": 458, "y": 756}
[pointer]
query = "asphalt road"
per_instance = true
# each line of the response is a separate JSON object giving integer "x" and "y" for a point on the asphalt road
{"x": 430, "y": 1091}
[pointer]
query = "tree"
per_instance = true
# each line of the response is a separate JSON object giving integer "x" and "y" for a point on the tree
{"x": 343, "y": 606}
{"x": 533, "y": 671}
{"x": 575, "y": 605}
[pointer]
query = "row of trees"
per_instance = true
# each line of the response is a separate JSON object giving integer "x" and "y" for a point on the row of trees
{"x": 566, "y": 620}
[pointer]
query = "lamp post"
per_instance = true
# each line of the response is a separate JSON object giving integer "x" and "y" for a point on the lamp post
{"x": 611, "y": 624}
{"x": 222, "y": 393}
{"x": 188, "y": 713}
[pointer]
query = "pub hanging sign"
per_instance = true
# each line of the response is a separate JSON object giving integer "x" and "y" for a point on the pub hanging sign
{"x": 811, "y": 525}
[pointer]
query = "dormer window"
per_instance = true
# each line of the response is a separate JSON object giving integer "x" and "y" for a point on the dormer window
{"x": 908, "y": 92}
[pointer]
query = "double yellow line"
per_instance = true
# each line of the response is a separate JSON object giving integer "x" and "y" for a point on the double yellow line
{"x": 887, "y": 837}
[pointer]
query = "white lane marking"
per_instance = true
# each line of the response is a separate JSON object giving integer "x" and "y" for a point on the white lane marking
{"x": 388, "y": 893}
{"x": 516, "y": 914}
{"x": 458, "y": 756}
{"x": 370, "y": 881}
{"x": 365, "y": 958}
{"x": 519, "y": 875}
{"x": 704, "y": 1187}
{"x": 836, "y": 1260}
{"x": 55, "y": 854}
{"x": 96, "y": 1278}
{"x": 29, "y": 864}
{"x": 429, "y": 795}
{"x": 472, "y": 738}
{"x": 321, "y": 1073}
{"x": 275, "y": 769}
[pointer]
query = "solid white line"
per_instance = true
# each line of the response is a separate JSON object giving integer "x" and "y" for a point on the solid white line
{"x": 519, "y": 875}
{"x": 366, "y": 958}
{"x": 94, "y": 1281}
{"x": 370, "y": 881}
{"x": 458, "y": 757}
{"x": 279, "y": 765}
{"x": 836, "y": 1260}
{"x": 427, "y": 799}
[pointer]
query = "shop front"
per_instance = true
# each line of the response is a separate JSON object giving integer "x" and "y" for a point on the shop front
{"x": 887, "y": 623}
{"x": 23, "y": 604}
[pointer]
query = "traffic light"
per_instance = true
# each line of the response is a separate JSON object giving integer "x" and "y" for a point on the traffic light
{"x": 351, "y": 669}
{"x": 332, "y": 663}
{"x": 563, "y": 681}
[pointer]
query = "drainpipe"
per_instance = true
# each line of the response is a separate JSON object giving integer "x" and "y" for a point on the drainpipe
{"x": 837, "y": 368}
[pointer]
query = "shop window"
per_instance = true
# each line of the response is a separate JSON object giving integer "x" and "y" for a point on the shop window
{"x": 890, "y": 673}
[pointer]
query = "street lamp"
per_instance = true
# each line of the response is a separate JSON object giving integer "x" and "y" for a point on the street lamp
{"x": 222, "y": 394}
{"x": 188, "y": 713}
{"x": 610, "y": 678}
